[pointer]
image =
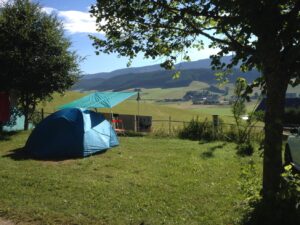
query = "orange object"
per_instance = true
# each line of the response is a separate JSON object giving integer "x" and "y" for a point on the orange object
{"x": 118, "y": 126}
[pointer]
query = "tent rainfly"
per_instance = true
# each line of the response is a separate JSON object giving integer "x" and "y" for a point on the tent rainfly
{"x": 99, "y": 100}
{"x": 71, "y": 133}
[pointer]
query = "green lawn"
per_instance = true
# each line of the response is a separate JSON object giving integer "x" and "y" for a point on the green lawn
{"x": 171, "y": 93}
{"x": 143, "y": 181}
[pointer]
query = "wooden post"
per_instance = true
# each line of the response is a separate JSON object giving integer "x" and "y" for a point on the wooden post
{"x": 170, "y": 125}
{"x": 215, "y": 124}
{"x": 135, "y": 123}
{"x": 138, "y": 123}
{"x": 215, "y": 120}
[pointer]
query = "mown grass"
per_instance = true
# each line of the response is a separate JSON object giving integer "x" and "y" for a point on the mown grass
{"x": 143, "y": 181}
{"x": 172, "y": 93}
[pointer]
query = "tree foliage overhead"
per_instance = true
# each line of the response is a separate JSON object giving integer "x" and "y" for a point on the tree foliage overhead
{"x": 165, "y": 28}
{"x": 35, "y": 59}
{"x": 262, "y": 34}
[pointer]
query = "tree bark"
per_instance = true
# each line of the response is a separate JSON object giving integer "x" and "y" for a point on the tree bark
{"x": 26, "y": 112}
{"x": 26, "y": 122}
{"x": 272, "y": 161}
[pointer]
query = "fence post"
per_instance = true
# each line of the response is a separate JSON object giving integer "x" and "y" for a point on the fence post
{"x": 170, "y": 125}
{"x": 215, "y": 124}
{"x": 135, "y": 123}
{"x": 215, "y": 120}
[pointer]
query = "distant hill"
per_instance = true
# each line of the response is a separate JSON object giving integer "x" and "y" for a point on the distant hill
{"x": 87, "y": 84}
{"x": 202, "y": 63}
{"x": 156, "y": 77}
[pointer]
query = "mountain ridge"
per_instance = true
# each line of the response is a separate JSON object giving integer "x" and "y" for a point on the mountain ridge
{"x": 156, "y": 77}
{"x": 202, "y": 63}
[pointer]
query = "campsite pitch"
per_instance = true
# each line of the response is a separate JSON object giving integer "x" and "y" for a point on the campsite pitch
{"x": 143, "y": 181}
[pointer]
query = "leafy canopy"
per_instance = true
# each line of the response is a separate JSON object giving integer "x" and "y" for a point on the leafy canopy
{"x": 34, "y": 54}
{"x": 35, "y": 59}
{"x": 262, "y": 34}
{"x": 252, "y": 30}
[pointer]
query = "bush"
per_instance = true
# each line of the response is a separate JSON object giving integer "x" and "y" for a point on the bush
{"x": 284, "y": 208}
{"x": 290, "y": 187}
{"x": 197, "y": 130}
{"x": 250, "y": 183}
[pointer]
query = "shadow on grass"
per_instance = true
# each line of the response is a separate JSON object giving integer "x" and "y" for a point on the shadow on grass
{"x": 278, "y": 213}
{"x": 6, "y": 136}
{"x": 210, "y": 152}
{"x": 20, "y": 154}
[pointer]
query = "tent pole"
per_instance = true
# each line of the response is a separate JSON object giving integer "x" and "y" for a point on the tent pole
{"x": 138, "y": 106}
{"x": 111, "y": 115}
{"x": 138, "y": 117}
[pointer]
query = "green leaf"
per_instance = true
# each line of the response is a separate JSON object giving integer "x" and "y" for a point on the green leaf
{"x": 176, "y": 75}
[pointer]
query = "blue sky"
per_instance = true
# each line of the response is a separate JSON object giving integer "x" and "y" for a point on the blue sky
{"x": 78, "y": 25}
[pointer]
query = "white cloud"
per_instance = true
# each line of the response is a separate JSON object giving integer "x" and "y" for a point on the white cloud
{"x": 75, "y": 21}
{"x": 78, "y": 22}
{"x": 202, "y": 54}
{"x": 2, "y": 2}
{"x": 48, "y": 10}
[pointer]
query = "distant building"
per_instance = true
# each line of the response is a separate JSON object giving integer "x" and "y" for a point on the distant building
{"x": 209, "y": 100}
{"x": 202, "y": 97}
{"x": 212, "y": 99}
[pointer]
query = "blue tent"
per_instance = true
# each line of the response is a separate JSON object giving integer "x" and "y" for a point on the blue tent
{"x": 71, "y": 132}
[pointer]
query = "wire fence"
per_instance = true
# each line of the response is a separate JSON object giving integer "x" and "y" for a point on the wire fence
{"x": 168, "y": 121}
{"x": 171, "y": 125}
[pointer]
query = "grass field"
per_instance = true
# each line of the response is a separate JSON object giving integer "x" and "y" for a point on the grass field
{"x": 171, "y": 93}
{"x": 157, "y": 111}
{"x": 179, "y": 111}
{"x": 143, "y": 181}
{"x": 183, "y": 111}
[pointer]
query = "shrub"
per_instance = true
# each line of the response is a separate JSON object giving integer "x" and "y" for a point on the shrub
{"x": 197, "y": 130}
{"x": 290, "y": 187}
{"x": 283, "y": 209}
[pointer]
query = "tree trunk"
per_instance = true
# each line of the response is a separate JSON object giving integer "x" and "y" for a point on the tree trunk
{"x": 272, "y": 162}
{"x": 26, "y": 122}
{"x": 26, "y": 113}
